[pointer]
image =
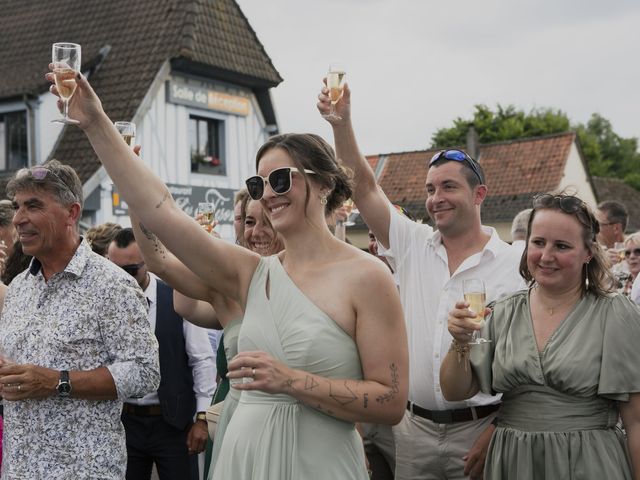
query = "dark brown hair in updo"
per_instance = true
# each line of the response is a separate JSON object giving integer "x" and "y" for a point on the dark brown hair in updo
{"x": 311, "y": 152}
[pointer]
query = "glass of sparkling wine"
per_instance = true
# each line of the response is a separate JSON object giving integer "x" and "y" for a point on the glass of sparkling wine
{"x": 128, "y": 132}
{"x": 475, "y": 295}
{"x": 66, "y": 58}
{"x": 335, "y": 84}
{"x": 348, "y": 207}
{"x": 619, "y": 247}
{"x": 207, "y": 212}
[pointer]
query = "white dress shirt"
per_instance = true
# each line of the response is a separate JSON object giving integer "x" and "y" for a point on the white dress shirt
{"x": 428, "y": 293}
{"x": 199, "y": 350}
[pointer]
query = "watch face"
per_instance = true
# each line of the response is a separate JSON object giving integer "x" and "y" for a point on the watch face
{"x": 64, "y": 389}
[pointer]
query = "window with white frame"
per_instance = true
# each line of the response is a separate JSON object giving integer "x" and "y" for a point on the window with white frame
{"x": 206, "y": 143}
{"x": 14, "y": 153}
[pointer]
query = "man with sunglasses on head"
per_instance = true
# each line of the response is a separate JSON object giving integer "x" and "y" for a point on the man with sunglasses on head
{"x": 74, "y": 337}
{"x": 167, "y": 427}
{"x": 436, "y": 439}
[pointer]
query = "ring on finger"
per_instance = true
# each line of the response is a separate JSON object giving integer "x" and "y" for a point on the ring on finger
{"x": 253, "y": 372}
{"x": 19, "y": 386}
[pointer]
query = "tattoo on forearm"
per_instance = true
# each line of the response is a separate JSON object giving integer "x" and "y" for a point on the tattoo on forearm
{"x": 395, "y": 386}
{"x": 310, "y": 383}
{"x": 366, "y": 400}
{"x": 165, "y": 197}
{"x": 288, "y": 384}
{"x": 344, "y": 398}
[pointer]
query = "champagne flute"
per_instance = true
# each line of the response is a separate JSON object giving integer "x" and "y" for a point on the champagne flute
{"x": 619, "y": 248}
{"x": 475, "y": 295}
{"x": 349, "y": 209}
{"x": 66, "y": 59}
{"x": 128, "y": 132}
{"x": 335, "y": 84}
{"x": 207, "y": 212}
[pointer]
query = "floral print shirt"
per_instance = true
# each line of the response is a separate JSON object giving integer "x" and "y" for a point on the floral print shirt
{"x": 92, "y": 314}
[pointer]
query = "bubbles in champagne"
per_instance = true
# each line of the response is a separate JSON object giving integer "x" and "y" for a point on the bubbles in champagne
{"x": 65, "y": 82}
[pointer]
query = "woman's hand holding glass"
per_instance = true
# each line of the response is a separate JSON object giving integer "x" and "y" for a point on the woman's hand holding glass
{"x": 259, "y": 371}
{"x": 462, "y": 322}
{"x": 342, "y": 108}
{"x": 84, "y": 106}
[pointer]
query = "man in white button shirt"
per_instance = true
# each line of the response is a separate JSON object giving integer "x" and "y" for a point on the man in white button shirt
{"x": 167, "y": 427}
{"x": 436, "y": 439}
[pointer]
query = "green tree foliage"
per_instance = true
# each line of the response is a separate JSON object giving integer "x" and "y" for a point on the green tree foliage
{"x": 607, "y": 153}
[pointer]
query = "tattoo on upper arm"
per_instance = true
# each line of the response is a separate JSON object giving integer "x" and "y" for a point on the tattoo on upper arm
{"x": 157, "y": 244}
{"x": 146, "y": 232}
{"x": 395, "y": 386}
{"x": 366, "y": 400}
{"x": 165, "y": 197}
{"x": 344, "y": 398}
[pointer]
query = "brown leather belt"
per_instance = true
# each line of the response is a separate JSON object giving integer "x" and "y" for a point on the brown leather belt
{"x": 142, "y": 410}
{"x": 453, "y": 416}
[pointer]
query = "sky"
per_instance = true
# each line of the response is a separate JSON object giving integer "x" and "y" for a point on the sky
{"x": 416, "y": 65}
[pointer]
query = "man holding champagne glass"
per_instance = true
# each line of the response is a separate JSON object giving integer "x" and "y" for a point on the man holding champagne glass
{"x": 436, "y": 439}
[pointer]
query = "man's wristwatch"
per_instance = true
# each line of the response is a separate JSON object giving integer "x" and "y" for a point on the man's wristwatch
{"x": 201, "y": 416}
{"x": 64, "y": 384}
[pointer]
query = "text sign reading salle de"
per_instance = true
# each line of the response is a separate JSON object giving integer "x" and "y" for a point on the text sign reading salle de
{"x": 201, "y": 96}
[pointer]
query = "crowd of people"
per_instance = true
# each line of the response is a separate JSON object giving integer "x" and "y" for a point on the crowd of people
{"x": 106, "y": 366}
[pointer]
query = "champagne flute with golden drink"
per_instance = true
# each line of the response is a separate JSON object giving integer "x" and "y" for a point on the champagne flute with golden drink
{"x": 128, "y": 132}
{"x": 66, "y": 59}
{"x": 207, "y": 212}
{"x": 475, "y": 295}
{"x": 335, "y": 84}
{"x": 348, "y": 208}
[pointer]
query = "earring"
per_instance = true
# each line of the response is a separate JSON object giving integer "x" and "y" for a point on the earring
{"x": 323, "y": 199}
{"x": 586, "y": 276}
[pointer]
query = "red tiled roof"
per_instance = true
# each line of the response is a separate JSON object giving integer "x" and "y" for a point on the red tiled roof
{"x": 515, "y": 171}
{"x": 373, "y": 161}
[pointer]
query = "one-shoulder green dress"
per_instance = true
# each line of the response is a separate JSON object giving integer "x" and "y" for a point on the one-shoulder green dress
{"x": 275, "y": 437}
{"x": 559, "y": 412}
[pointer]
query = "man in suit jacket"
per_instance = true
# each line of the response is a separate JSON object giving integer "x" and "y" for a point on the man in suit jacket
{"x": 167, "y": 427}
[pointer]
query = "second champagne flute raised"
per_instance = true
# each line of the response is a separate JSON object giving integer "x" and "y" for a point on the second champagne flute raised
{"x": 335, "y": 84}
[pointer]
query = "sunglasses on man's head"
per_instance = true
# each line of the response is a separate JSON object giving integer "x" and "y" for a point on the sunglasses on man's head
{"x": 458, "y": 156}
{"x": 132, "y": 269}
{"x": 39, "y": 173}
{"x": 635, "y": 251}
{"x": 279, "y": 180}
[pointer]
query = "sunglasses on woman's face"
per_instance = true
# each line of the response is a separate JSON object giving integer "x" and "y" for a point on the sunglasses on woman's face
{"x": 635, "y": 251}
{"x": 279, "y": 180}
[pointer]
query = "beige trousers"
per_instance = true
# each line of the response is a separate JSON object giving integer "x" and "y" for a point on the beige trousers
{"x": 430, "y": 451}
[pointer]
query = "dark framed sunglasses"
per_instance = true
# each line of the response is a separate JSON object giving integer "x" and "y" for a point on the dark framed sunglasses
{"x": 132, "y": 269}
{"x": 635, "y": 251}
{"x": 458, "y": 156}
{"x": 279, "y": 180}
{"x": 566, "y": 203}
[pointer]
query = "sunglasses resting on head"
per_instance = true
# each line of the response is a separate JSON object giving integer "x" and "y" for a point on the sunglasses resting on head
{"x": 279, "y": 180}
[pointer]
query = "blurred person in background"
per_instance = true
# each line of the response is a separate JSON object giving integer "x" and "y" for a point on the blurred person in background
{"x": 100, "y": 236}
{"x": 519, "y": 229}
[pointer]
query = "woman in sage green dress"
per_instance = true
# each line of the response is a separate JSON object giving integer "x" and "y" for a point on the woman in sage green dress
{"x": 312, "y": 366}
{"x": 564, "y": 354}
{"x": 256, "y": 233}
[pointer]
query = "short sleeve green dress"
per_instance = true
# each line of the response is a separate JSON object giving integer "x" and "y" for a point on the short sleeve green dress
{"x": 559, "y": 406}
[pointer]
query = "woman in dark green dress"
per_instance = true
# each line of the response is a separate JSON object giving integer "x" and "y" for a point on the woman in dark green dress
{"x": 564, "y": 354}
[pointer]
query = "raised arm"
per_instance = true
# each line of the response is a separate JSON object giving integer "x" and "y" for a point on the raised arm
{"x": 198, "y": 312}
{"x": 381, "y": 396}
{"x": 223, "y": 266}
{"x": 369, "y": 198}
